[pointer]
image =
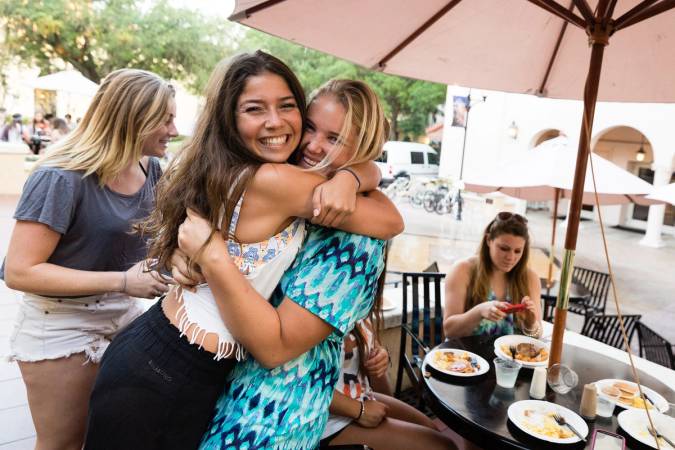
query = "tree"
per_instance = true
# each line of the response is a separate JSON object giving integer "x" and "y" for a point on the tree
{"x": 407, "y": 102}
{"x": 99, "y": 36}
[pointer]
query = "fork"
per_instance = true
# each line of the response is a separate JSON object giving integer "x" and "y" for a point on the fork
{"x": 658, "y": 435}
{"x": 512, "y": 348}
{"x": 560, "y": 420}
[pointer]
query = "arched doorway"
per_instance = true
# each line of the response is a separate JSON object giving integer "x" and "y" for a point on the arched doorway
{"x": 629, "y": 149}
{"x": 544, "y": 135}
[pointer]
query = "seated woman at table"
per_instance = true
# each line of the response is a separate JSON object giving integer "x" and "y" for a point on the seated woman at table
{"x": 363, "y": 410}
{"x": 479, "y": 289}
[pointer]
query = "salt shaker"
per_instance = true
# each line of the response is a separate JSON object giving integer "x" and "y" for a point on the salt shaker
{"x": 538, "y": 383}
{"x": 589, "y": 402}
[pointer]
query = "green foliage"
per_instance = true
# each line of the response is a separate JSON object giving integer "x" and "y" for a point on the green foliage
{"x": 407, "y": 102}
{"x": 99, "y": 36}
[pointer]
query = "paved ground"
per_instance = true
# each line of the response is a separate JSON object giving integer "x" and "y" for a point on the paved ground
{"x": 643, "y": 276}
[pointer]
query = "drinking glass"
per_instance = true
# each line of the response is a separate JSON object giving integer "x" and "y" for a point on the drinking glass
{"x": 561, "y": 378}
{"x": 506, "y": 372}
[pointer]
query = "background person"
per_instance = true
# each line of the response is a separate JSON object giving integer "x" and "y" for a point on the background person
{"x": 72, "y": 254}
{"x": 479, "y": 287}
{"x": 363, "y": 410}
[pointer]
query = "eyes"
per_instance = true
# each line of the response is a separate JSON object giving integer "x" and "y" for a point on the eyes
{"x": 262, "y": 110}
{"x": 506, "y": 249}
{"x": 332, "y": 138}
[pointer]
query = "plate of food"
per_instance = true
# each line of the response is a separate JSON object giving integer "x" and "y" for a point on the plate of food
{"x": 636, "y": 424}
{"x": 530, "y": 352}
{"x": 629, "y": 395}
{"x": 536, "y": 418}
{"x": 458, "y": 363}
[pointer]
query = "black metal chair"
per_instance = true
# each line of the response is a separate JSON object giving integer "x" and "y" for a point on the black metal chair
{"x": 422, "y": 323}
{"x": 598, "y": 285}
{"x": 655, "y": 347}
{"x": 605, "y": 328}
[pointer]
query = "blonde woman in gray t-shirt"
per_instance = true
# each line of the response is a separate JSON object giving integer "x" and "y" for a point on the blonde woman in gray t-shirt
{"x": 72, "y": 253}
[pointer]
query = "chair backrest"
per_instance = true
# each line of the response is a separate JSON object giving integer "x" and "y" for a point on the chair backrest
{"x": 606, "y": 329}
{"x": 421, "y": 321}
{"x": 422, "y": 302}
{"x": 655, "y": 347}
{"x": 598, "y": 285}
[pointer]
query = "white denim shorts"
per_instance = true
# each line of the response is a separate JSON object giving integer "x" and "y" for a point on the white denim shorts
{"x": 52, "y": 328}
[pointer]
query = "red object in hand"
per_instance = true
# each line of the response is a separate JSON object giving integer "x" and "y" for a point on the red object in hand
{"x": 514, "y": 308}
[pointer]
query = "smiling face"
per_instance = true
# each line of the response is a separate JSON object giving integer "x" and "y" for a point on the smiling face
{"x": 325, "y": 119}
{"x": 268, "y": 119}
{"x": 157, "y": 143}
{"x": 506, "y": 251}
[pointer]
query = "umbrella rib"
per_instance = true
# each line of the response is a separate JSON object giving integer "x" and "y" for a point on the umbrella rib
{"x": 637, "y": 9}
{"x": 656, "y": 9}
{"x": 554, "y": 54}
{"x": 433, "y": 19}
{"x": 245, "y": 14}
{"x": 555, "y": 9}
{"x": 585, "y": 10}
{"x": 610, "y": 9}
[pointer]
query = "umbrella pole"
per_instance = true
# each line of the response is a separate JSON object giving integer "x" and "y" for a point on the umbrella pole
{"x": 551, "y": 254}
{"x": 599, "y": 38}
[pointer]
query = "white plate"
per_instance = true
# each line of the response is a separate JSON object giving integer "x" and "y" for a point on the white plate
{"x": 517, "y": 410}
{"x": 634, "y": 422}
{"x": 661, "y": 403}
{"x": 515, "y": 339}
{"x": 484, "y": 366}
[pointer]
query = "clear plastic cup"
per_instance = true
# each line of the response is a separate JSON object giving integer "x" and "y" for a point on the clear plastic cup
{"x": 606, "y": 404}
{"x": 506, "y": 372}
{"x": 561, "y": 378}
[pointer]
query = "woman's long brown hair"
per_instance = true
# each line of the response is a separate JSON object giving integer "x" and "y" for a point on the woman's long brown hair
{"x": 479, "y": 284}
{"x": 214, "y": 166}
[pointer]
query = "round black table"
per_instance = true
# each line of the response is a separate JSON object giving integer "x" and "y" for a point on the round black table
{"x": 476, "y": 408}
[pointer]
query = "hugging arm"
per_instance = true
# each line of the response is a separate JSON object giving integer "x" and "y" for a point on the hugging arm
{"x": 272, "y": 335}
{"x": 290, "y": 190}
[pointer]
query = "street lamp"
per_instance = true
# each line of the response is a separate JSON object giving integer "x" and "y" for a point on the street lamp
{"x": 458, "y": 198}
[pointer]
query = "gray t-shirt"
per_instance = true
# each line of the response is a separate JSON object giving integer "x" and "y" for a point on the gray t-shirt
{"x": 94, "y": 222}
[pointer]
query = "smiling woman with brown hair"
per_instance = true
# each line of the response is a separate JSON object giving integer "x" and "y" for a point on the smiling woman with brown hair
{"x": 480, "y": 290}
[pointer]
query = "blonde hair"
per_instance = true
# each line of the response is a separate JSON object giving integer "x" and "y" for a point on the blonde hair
{"x": 363, "y": 114}
{"x": 128, "y": 107}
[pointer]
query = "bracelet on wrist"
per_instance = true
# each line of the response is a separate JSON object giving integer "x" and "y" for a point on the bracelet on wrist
{"x": 363, "y": 408}
{"x": 124, "y": 282}
{"x": 356, "y": 177}
{"x": 531, "y": 332}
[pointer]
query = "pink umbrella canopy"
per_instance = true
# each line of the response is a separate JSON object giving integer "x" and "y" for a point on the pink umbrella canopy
{"x": 664, "y": 194}
{"x": 550, "y": 167}
{"x": 506, "y": 45}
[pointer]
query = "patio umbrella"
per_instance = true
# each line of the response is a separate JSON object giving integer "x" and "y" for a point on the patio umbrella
{"x": 546, "y": 172}
{"x": 664, "y": 193}
{"x": 526, "y": 46}
{"x": 70, "y": 81}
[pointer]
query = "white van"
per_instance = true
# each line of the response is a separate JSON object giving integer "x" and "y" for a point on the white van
{"x": 407, "y": 157}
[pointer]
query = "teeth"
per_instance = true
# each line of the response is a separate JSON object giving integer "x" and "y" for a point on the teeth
{"x": 278, "y": 140}
{"x": 309, "y": 162}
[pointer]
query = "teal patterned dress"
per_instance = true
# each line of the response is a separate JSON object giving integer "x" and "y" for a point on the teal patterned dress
{"x": 334, "y": 277}
{"x": 501, "y": 328}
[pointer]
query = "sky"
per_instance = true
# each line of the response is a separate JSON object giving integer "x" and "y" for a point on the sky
{"x": 211, "y": 8}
